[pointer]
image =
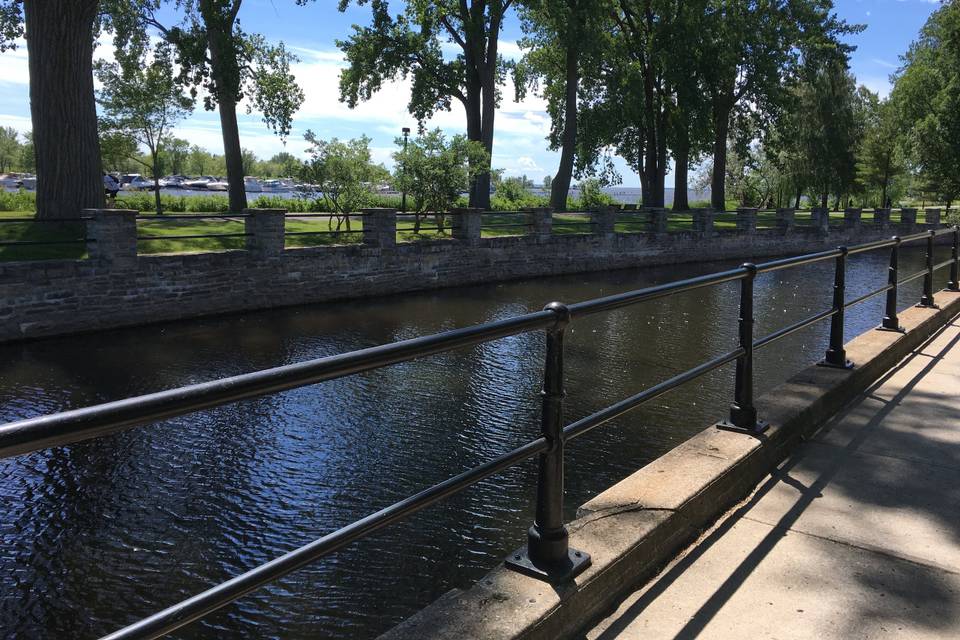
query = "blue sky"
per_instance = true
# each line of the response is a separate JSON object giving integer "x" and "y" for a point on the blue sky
{"x": 519, "y": 146}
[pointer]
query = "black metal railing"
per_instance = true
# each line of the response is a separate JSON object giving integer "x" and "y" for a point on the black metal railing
{"x": 547, "y": 554}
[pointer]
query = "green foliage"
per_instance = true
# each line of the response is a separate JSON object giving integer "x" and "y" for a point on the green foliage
{"x": 344, "y": 173}
{"x": 435, "y": 170}
{"x": 18, "y": 201}
{"x": 141, "y": 102}
{"x": 9, "y": 149}
{"x": 926, "y": 95}
{"x": 591, "y": 196}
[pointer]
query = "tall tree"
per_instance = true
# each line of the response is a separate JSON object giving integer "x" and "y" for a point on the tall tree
{"x": 410, "y": 44}
{"x": 753, "y": 49}
{"x": 880, "y": 157}
{"x": 141, "y": 98}
{"x": 562, "y": 41}
{"x": 60, "y": 38}
{"x": 229, "y": 65}
{"x": 927, "y": 98}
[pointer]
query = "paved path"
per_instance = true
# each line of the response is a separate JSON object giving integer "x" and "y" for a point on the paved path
{"x": 855, "y": 536}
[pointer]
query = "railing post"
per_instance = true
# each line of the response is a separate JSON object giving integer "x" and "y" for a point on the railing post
{"x": 657, "y": 219}
{"x": 747, "y": 219}
{"x": 604, "y": 220}
{"x": 541, "y": 222}
{"x": 836, "y": 355}
{"x": 786, "y": 219}
{"x": 821, "y": 219}
{"x": 547, "y": 555}
{"x": 380, "y": 227}
{"x": 954, "y": 284}
{"x": 890, "y": 320}
{"x": 743, "y": 415}
{"x": 466, "y": 225}
{"x": 265, "y": 229}
{"x": 112, "y": 235}
{"x": 926, "y": 300}
{"x": 852, "y": 217}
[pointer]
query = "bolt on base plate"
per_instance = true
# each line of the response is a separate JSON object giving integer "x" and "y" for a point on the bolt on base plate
{"x": 726, "y": 425}
{"x": 576, "y": 563}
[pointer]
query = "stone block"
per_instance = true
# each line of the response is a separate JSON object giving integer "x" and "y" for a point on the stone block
{"x": 881, "y": 218}
{"x": 112, "y": 235}
{"x": 908, "y": 215}
{"x": 380, "y": 227}
{"x": 747, "y": 219}
{"x": 265, "y": 229}
{"x": 852, "y": 217}
{"x": 931, "y": 215}
{"x": 604, "y": 220}
{"x": 541, "y": 222}
{"x": 786, "y": 219}
{"x": 658, "y": 219}
{"x": 466, "y": 224}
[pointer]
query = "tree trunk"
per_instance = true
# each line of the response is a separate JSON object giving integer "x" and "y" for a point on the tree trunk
{"x": 560, "y": 186}
{"x": 233, "y": 155}
{"x": 156, "y": 182}
{"x": 799, "y": 197}
{"x": 718, "y": 180}
{"x": 59, "y": 37}
{"x": 220, "y": 40}
{"x": 488, "y": 100}
{"x": 681, "y": 158}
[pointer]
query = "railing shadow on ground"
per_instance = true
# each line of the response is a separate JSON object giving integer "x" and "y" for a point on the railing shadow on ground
{"x": 826, "y": 476}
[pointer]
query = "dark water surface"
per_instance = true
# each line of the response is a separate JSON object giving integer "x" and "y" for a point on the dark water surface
{"x": 97, "y": 535}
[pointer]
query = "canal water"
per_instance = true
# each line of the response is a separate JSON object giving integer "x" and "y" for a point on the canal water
{"x": 97, "y": 535}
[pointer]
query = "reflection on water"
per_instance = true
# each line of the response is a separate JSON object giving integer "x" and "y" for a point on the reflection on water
{"x": 98, "y": 535}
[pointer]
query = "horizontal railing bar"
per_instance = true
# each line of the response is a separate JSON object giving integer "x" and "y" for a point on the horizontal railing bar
{"x": 810, "y": 258}
{"x": 869, "y": 246}
{"x": 197, "y": 236}
{"x": 941, "y": 265}
{"x": 191, "y": 216}
{"x": 793, "y": 328}
{"x": 867, "y": 296}
{"x": 30, "y": 243}
{"x": 594, "y": 420}
{"x": 45, "y": 220}
{"x": 943, "y": 230}
{"x": 58, "y": 429}
{"x": 911, "y": 278}
{"x": 185, "y": 612}
{"x": 651, "y": 293}
{"x": 923, "y": 235}
{"x": 325, "y": 232}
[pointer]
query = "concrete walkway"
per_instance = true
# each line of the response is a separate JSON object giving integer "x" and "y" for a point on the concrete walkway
{"x": 857, "y": 535}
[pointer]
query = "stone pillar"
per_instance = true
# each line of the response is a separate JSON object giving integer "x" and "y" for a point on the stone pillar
{"x": 908, "y": 216}
{"x": 112, "y": 235}
{"x": 747, "y": 219}
{"x": 265, "y": 228}
{"x": 604, "y": 220}
{"x": 931, "y": 216}
{"x": 541, "y": 222}
{"x": 380, "y": 227}
{"x": 466, "y": 224}
{"x": 851, "y": 218}
{"x": 658, "y": 220}
{"x": 786, "y": 219}
{"x": 821, "y": 219}
{"x": 881, "y": 218}
{"x": 703, "y": 220}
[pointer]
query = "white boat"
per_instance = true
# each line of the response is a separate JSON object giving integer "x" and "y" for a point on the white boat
{"x": 140, "y": 183}
{"x": 173, "y": 182}
{"x": 198, "y": 183}
{"x": 272, "y": 186}
{"x": 28, "y": 182}
{"x": 218, "y": 185}
{"x": 252, "y": 185}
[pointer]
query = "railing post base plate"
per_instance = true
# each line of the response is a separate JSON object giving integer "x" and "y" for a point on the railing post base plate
{"x": 892, "y": 329}
{"x": 576, "y": 563}
{"x": 831, "y": 365}
{"x": 926, "y": 305}
{"x": 727, "y": 425}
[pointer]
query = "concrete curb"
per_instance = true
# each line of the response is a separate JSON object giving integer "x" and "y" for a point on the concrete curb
{"x": 639, "y": 524}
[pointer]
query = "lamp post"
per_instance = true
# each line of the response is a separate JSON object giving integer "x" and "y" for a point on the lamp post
{"x": 403, "y": 196}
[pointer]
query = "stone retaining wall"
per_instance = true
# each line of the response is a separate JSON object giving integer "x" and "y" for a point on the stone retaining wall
{"x": 116, "y": 287}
